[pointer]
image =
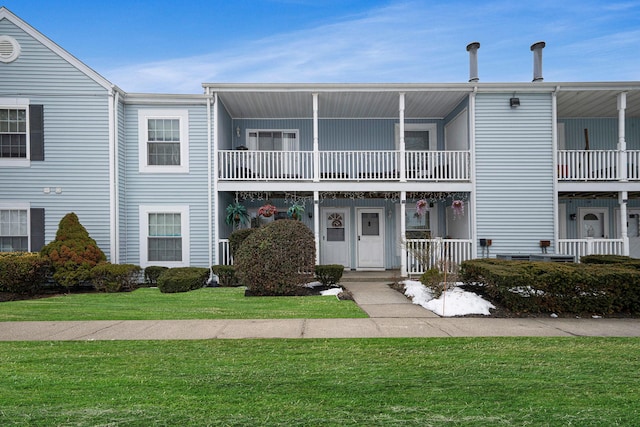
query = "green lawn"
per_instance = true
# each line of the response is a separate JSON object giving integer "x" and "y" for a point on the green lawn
{"x": 151, "y": 304}
{"x": 372, "y": 382}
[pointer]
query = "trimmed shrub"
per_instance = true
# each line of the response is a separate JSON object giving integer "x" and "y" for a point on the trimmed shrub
{"x": 276, "y": 259}
{"x": 226, "y": 275}
{"x": 237, "y": 237}
{"x": 433, "y": 279}
{"x": 329, "y": 274}
{"x": 543, "y": 287}
{"x": 109, "y": 277}
{"x": 183, "y": 279}
{"x": 23, "y": 272}
{"x": 611, "y": 259}
{"x": 73, "y": 253}
{"x": 151, "y": 274}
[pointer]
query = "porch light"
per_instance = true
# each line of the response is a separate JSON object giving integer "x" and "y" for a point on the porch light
{"x": 572, "y": 217}
{"x": 238, "y": 131}
{"x": 514, "y": 102}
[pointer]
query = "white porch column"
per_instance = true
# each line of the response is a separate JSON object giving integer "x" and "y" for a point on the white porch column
{"x": 316, "y": 223}
{"x": 624, "y": 235}
{"x": 403, "y": 160}
{"x": 622, "y": 143}
{"x": 316, "y": 147}
{"x": 403, "y": 233}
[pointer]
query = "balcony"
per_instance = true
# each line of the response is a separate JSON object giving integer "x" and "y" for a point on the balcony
{"x": 242, "y": 165}
{"x": 598, "y": 165}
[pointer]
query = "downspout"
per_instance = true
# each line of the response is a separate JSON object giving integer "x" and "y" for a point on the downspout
{"x": 472, "y": 149}
{"x": 316, "y": 223}
{"x": 213, "y": 177}
{"x": 209, "y": 184}
{"x": 113, "y": 250}
{"x": 554, "y": 171}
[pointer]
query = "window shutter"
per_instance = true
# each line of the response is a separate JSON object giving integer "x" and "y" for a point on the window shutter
{"x": 36, "y": 132}
{"x": 37, "y": 229}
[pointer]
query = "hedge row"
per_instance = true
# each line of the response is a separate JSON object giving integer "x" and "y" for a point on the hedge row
{"x": 23, "y": 272}
{"x": 183, "y": 279}
{"x": 544, "y": 287}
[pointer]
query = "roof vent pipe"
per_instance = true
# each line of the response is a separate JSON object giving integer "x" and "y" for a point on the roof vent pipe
{"x": 536, "y": 48}
{"x": 472, "y": 48}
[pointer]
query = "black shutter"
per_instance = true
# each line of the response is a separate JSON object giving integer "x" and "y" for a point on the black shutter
{"x": 36, "y": 132}
{"x": 37, "y": 229}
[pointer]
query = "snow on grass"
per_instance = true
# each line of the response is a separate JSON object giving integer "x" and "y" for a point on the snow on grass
{"x": 332, "y": 291}
{"x": 453, "y": 302}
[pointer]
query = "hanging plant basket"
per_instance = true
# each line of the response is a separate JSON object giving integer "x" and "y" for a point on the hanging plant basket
{"x": 458, "y": 208}
{"x": 295, "y": 212}
{"x": 421, "y": 207}
{"x": 267, "y": 211}
{"x": 237, "y": 215}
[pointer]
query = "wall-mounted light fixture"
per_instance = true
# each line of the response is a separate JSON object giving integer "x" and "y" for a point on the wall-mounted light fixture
{"x": 238, "y": 131}
{"x": 572, "y": 217}
{"x": 514, "y": 102}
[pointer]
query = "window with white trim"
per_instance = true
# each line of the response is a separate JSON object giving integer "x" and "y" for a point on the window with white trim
{"x": 273, "y": 140}
{"x": 163, "y": 141}
{"x": 164, "y": 236}
{"x": 13, "y": 133}
{"x": 14, "y": 230}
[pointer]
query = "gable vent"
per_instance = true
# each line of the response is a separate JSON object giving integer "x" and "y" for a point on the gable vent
{"x": 9, "y": 49}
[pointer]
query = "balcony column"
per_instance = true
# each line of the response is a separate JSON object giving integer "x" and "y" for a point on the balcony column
{"x": 316, "y": 223}
{"x": 403, "y": 233}
{"x": 624, "y": 235}
{"x": 622, "y": 143}
{"x": 316, "y": 148}
{"x": 403, "y": 160}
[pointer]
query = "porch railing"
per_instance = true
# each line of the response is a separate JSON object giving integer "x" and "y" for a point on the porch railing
{"x": 443, "y": 254}
{"x": 224, "y": 252}
{"x": 265, "y": 165}
{"x": 377, "y": 165}
{"x": 438, "y": 165}
{"x": 596, "y": 165}
{"x": 582, "y": 247}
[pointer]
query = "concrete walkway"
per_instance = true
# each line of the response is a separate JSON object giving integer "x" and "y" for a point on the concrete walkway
{"x": 391, "y": 315}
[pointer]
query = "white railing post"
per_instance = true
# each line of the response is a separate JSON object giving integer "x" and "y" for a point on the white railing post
{"x": 403, "y": 233}
{"x": 316, "y": 145}
{"x": 402, "y": 148}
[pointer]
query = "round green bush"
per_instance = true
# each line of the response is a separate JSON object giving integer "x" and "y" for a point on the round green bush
{"x": 277, "y": 259}
{"x": 151, "y": 274}
{"x": 183, "y": 279}
{"x": 115, "y": 277}
{"x": 22, "y": 272}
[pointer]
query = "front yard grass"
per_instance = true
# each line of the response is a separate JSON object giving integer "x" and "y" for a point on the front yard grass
{"x": 338, "y": 382}
{"x": 151, "y": 304}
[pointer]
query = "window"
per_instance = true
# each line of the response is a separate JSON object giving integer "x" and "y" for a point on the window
{"x": 163, "y": 141}
{"x": 418, "y": 226}
{"x": 21, "y": 132}
{"x": 164, "y": 236}
{"x": 273, "y": 140}
{"x": 14, "y": 230}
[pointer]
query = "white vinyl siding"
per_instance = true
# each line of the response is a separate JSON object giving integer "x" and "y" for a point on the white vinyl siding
{"x": 164, "y": 236}
{"x": 163, "y": 141}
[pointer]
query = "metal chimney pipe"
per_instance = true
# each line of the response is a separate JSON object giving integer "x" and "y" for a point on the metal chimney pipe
{"x": 536, "y": 48}
{"x": 472, "y": 48}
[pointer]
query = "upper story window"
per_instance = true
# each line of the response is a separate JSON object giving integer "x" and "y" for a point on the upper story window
{"x": 21, "y": 132}
{"x": 13, "y": 133}
{"x": 273, "y": 140}
{"x": 163, "y": 141}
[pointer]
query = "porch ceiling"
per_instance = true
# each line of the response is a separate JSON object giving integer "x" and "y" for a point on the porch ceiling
{"x": 595, "y": 195}
{"x": 589, "y": 103}
{"x": 299, "y": 104}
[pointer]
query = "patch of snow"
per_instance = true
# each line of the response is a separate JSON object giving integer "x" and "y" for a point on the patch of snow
{"x": 332, "y": 291}
{"x": 312, "y": 285}
{"x": 453, "y": 302}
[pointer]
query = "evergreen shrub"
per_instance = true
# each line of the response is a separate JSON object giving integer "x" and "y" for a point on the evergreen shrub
{"x": 23, "y": 272}
{"x": 276, "y": 259}
{"x": 183, "y": 279}
{"x": 237, "y": 237}
{"x": 109, "y": 277}
{"x": 329, "y": 274}
{"x": 151, "y": 274}
{"x": 73, "y": 253}
{"x": 226, "y": 275}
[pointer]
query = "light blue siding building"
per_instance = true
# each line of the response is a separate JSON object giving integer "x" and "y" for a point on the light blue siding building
{"x": 391, "y": 176}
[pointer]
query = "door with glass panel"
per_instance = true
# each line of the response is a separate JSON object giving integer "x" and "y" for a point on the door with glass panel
{"x": 334, "y": 247}
{"x": 370, "y": 238}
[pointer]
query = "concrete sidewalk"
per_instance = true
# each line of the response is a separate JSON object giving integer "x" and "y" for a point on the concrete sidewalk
{"x": 391, "y": 315}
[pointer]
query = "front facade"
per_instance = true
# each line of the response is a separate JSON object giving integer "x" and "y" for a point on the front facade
{"x": 391, "y": 176}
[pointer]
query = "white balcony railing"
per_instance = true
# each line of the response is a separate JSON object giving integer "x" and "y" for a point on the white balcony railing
{"x": 438, "y": 165}
{"x": 582, "y": 247}
{"x": 633, "y": 165}
{"x": 224, "y": 255}
{"x": 588, "y": 165}
{"x": 380, "y": 165}
{"x": 443, "y": 254}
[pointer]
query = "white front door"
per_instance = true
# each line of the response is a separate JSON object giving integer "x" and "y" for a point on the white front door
{"x": 370, "y": 238}
{"x": 633, "y": 231}
{"x": 335, "y": 237}
{"x": 593, "y": 223}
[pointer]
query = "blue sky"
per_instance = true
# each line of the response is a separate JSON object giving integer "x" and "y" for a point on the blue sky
{"x": 172, "y": 47}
